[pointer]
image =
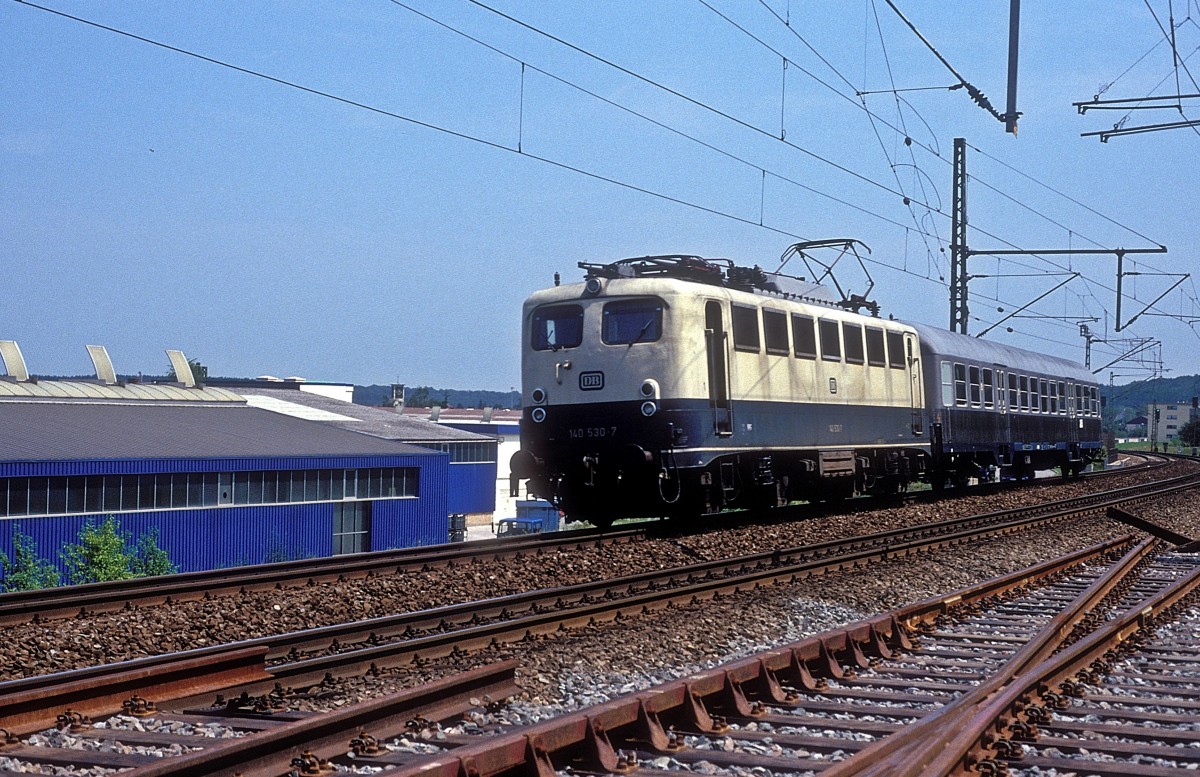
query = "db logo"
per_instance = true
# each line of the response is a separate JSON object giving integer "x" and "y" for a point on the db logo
{"x": 591, "y": 381}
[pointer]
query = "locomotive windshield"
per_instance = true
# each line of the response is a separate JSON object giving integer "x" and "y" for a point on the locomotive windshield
{"x": 632, "y": 321}
{"x": 558, "y": 326}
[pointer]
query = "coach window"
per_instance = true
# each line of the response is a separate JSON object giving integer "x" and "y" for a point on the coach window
{"x": 895, "y": 347}
{"x": 831, "y": 347}
{"x": 976, "y": 391}
{"x": 947, "y": 384}
{"x": 629, "y": 321}
{"x": 1079, "y": 409}
{"x": 775, "y": 331}
{"x": 1062, "y": 398}
{"x": 1035, "y": 396}
{"x": 852, "y": 334}
{"x": 745, "y": 328}
{"x": 1014, "y": 402}
{"x": 804, "y": 337}
{"x": 1053, "y": 397}
{"x": 1043, "y": 395}
{"x": 960, "y": 384}
{"x": 558, "y": 326}
{"x": 989, "y": 392}
{"x": 875, "y": 355}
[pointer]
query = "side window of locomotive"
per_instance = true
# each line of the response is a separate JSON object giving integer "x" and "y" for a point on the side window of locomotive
{"x": 558, "y": 326}
{"x": 960, "y": 384}
{"x": 745, "y": 328}
{"x": 775, "y": 331}
{"x": 804, "y": 337}
{"x": 895, "y": 347}
{"x": 989, "y": 392}
{"x": 976, "y": 389}
{"x": 1013, "y": 402}
{"x": 875, "y": 355}
{"x": 629, "y": 321}
{"x": 852, "y": 334}
{"x": 831, "y": 346}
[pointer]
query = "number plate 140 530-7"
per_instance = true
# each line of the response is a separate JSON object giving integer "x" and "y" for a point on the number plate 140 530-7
{"x": 592, "y": 432}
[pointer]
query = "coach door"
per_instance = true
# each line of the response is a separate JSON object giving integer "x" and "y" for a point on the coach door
{"x": 915, "y": 387}
{"x": 718, "y": 368}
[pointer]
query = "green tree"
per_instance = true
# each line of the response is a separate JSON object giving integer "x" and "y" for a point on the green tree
{"x": 27, "y": 571}
{"x": 149, "y": 559}
{"x": 102, "y": 553}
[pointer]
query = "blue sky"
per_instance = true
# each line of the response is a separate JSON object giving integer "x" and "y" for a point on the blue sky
{"x": 152, "y": 200}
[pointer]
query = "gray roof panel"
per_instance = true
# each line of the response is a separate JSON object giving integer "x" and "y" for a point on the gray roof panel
{"x": 57, "y": 431}
{"x": 375, "y": 421}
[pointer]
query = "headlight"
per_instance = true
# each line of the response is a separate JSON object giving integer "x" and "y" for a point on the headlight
{"x": 538, "y": 415}
{"x": 649, "y": 409}
{"x": 538, "y": 395}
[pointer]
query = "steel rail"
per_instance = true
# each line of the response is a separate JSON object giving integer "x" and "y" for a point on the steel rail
{"x": 911, "y": 750}
{"x": 701, "y": 702}
{"x": 661, "y": 589}
{"x": 271, "y": 752}
{"x": 71, "y": 601}
{"x": 989, "y": 725}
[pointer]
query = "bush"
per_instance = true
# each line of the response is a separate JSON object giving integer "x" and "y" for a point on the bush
{"x": 26, "y": 571}
{"x": 104, "y": 553}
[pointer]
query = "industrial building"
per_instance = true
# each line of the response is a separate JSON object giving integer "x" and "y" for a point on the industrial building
{"x": 222, "y": 482}
{"x": 471, "y": 479}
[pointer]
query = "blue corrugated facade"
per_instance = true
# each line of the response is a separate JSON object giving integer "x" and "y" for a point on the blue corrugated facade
{"x": 217, "y": 537}
{"x": 472, "y": 487}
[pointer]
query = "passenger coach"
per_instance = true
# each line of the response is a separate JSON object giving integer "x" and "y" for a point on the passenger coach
{"x": 1000, "y": 407}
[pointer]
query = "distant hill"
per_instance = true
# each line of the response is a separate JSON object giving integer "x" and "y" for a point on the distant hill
{"x": 1131, "y": 400}
{"x": 427, "y": 396}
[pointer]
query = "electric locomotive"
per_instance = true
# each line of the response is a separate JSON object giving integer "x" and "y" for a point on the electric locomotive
{"x": 678, "y": 385}
{"x": 675, "y": 385}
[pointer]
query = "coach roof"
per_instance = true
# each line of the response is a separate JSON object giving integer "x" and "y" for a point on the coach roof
{"x": 972, "y": 350}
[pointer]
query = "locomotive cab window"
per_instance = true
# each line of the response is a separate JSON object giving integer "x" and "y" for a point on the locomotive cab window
{"x": 804, "y": 337}
{"x": 745, "y": 328}
{"x": 852, "y": 334}
{"x": 558, "y": 326}
{"x": 895, "y": 348}
{"x": 629, "y": 321}
{"x": 775, "y": 331}
{"x": 831, "y": 346}
{"x": 875, "y": 355}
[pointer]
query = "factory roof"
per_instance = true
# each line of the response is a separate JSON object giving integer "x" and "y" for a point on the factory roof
{"x": 74, "y": 430}
{"x": 376, "y": 421}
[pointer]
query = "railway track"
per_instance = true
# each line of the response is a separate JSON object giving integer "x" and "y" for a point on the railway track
{"x": 27, "y": 705}
{"x": 99, "y": 598}
{"x": 959, "y": 681}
